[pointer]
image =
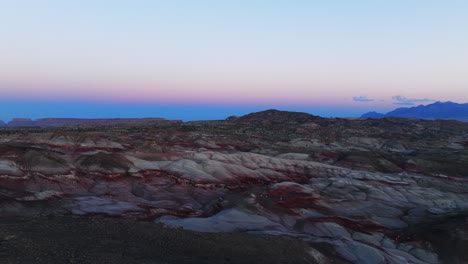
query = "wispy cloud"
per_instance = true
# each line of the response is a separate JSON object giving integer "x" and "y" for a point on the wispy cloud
{"x": 362, "y": 99}
{"x": 401, "y": 100}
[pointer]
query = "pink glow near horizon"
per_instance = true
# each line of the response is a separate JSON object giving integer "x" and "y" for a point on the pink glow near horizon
{"x": 267, "y": 96}
{"x": 248, "y": 53}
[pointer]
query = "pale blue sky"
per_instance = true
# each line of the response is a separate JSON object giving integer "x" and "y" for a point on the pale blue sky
{"x": 289, "y": 54}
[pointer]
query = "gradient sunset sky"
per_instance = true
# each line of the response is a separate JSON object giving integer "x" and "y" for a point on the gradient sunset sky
{"x": 208, "y": 59}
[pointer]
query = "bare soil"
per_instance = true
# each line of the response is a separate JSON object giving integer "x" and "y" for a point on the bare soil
{"x": 71, "y": 239}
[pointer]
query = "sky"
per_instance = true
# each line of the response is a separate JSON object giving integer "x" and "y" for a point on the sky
{"x": 209, "y": 59}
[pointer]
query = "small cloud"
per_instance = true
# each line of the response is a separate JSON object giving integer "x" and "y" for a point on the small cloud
{"x": 401, "y": 100}
{"x": 362, "y": 99}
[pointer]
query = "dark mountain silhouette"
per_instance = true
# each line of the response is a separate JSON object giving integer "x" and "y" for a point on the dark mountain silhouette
{"x": 373, "y": 115}
{"x": 437, "y": 110}
{"x": 273, "y": 116}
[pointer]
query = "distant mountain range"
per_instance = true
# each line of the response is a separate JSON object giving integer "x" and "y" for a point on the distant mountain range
{"x": 438, "y": 110}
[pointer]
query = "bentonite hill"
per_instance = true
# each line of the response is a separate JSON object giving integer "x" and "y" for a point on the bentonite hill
{"x": 268, "y": 187}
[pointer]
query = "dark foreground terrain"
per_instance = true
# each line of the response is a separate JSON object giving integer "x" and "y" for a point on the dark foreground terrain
{"x": 66, "y": 239}
{"x": 328, "y": 190}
